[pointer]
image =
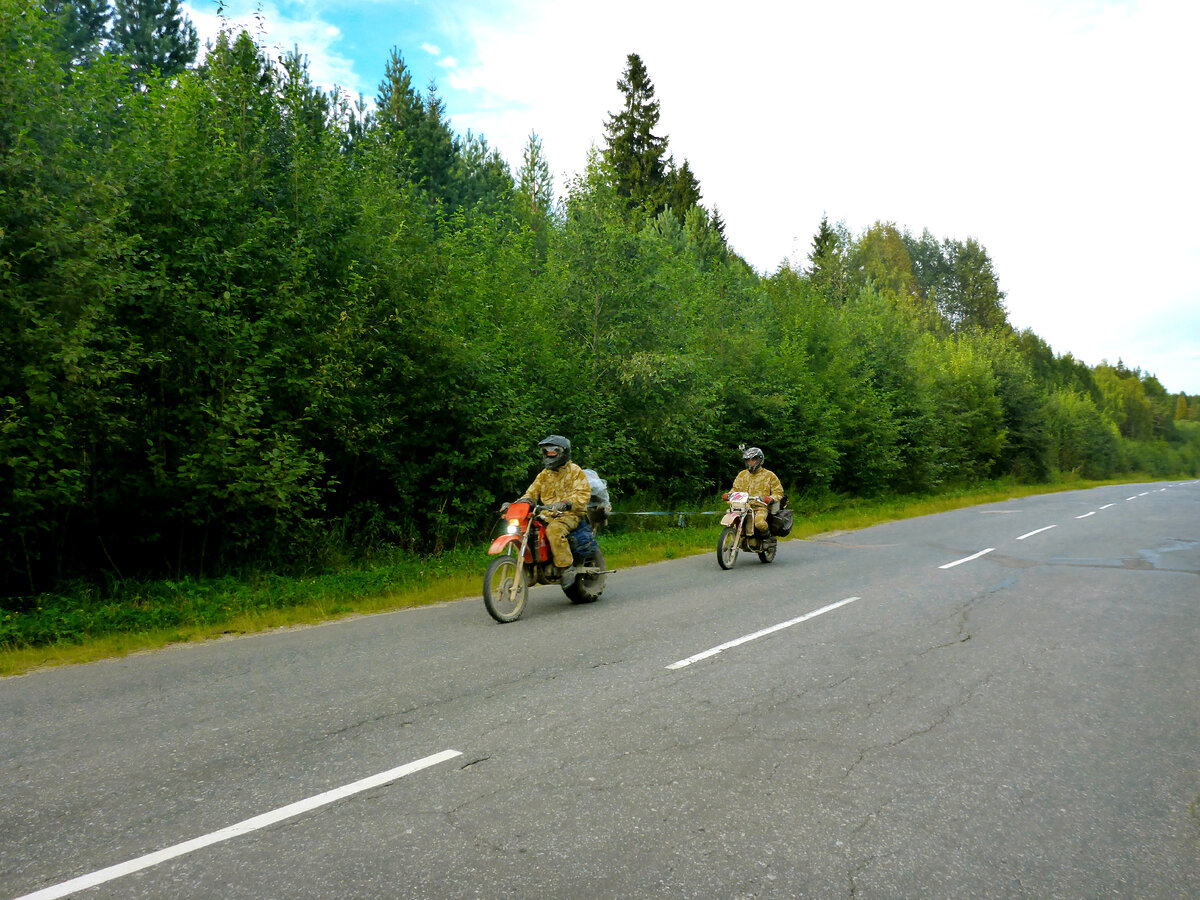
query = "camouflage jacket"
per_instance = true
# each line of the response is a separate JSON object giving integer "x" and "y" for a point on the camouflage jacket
{"x": 763, "y": 483}
{"x": 567, "y": 482}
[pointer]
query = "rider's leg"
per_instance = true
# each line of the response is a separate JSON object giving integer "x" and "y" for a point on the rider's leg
{"x": 556, "y": 533}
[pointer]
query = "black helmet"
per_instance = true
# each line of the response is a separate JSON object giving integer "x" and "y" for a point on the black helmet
{"x": 753, "y": 457}
{"x": 556, "y": 450}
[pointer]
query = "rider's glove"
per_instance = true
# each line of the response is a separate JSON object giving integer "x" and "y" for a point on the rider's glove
{"x": 563, "y": 506}
{"x": 504, "y": 508}
{"x": 767, "y": 499}
{"x": 725, "y": 496}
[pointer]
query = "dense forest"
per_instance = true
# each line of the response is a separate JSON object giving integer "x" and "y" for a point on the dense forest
{"x": 244, "y": 320}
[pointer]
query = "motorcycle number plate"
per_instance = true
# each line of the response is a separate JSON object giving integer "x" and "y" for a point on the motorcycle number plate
{"x": 739, "y": 497}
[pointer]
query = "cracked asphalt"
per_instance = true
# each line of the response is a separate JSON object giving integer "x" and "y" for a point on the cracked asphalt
{"x": 1026, "y": 724}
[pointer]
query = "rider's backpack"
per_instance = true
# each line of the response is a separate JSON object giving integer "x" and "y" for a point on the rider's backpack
{"x": 598, "y": 504}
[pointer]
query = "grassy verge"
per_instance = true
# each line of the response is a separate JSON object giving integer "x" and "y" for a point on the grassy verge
{"x": 82, "y": 627}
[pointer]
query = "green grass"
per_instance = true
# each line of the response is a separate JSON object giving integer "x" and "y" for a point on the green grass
{"x": 83, "y": 626}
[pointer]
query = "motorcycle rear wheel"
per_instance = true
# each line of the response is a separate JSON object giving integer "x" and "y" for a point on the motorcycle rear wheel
{"x": 505, "y": 589}
{"x": 767, "y": 554}
{"x": 587, "y": 588}
{"x": 727, "y": 546}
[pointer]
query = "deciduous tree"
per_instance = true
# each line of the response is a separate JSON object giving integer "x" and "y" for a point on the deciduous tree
{"x": 975, "y": 300}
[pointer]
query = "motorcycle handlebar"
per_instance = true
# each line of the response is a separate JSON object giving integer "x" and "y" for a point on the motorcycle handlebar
{"x": 534, "y": 508}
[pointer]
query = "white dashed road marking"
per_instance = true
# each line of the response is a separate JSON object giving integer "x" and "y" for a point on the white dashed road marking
{"x": 84, "y": 882}
{"x": 683, "y": 663}
{"x": 1037, "y": 531}
{"x": 959, "y": 562}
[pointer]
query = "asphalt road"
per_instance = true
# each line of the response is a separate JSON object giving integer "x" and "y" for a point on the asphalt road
{"x": 1020, "y": 723}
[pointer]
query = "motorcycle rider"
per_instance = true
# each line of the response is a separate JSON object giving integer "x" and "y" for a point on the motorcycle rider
{"x": 562, "y": 485}
{"x": 757, "y": 480}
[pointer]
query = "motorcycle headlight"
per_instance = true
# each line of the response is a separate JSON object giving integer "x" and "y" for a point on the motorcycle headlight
{"x": 514, "y": 525}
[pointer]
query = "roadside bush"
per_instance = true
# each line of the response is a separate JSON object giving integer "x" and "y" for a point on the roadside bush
{"x": 1082, "y": 440}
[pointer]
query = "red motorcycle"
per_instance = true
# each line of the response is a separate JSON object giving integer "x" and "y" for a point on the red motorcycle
{"x": 523, "y": 559}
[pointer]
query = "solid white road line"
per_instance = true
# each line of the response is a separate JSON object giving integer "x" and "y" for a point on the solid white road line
{"x": 1038, "y": 531}
{"x": 284, "y": 812}
{"x": 959, "y": 562}
{"x": 683, "y": 663}
{"x": 1085, "y": 515}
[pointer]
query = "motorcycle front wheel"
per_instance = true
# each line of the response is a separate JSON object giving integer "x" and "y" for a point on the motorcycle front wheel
{"x": 727, "y": 546}
{"x": 504, "y": 588}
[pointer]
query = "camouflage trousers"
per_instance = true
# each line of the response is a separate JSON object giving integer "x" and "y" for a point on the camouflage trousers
{"x": 557, "y": 529}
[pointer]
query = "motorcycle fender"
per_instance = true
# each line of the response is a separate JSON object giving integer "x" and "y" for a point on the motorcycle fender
{"x": 503, "y": 541}
{"x": 729, "y": 518}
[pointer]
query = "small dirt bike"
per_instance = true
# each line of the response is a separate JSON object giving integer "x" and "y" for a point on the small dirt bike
{"x": 738, "y": 533}
{"x": 524, "y": 559}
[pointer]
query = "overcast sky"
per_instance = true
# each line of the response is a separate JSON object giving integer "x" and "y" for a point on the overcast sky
{"x": 1059, "y": 134}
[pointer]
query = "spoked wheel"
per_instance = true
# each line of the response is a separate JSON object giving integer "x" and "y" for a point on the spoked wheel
{"x": 727, "y": 546}
{"x": 504, "y": 588}
{"x": 767, "y": 553}
{"x": 587, "y": 588}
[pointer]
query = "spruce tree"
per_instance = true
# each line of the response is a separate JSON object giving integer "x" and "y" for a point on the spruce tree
{"x": 155, "y": 35}
{"x": 398, "y": 105}
{"x": 825, "y": 242}
{"x": 535, "y": 185}
{"x": 420, "y": 127}
{"x": 436, "y": 151}
{"x": 683, "y": 190}
{"x": 83, "y": 27}
{"x": 718, "y": 223}
{"x": 633, "y": 150}
{"x": 828, "y": 272}
{"x": 481, "y": 177}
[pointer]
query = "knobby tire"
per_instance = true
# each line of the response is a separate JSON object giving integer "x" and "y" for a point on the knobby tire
{"x": 727, "y": 545}
{"x": 501, "y": 602}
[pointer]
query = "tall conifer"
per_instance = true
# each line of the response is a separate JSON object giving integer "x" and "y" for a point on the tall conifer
{"x": 155, "y": 34}
{"x": 534, "y": 182}
{"x": 84, "y": 27}
{"x": 683, "y": 190}
{"x": 633, "y": 150}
